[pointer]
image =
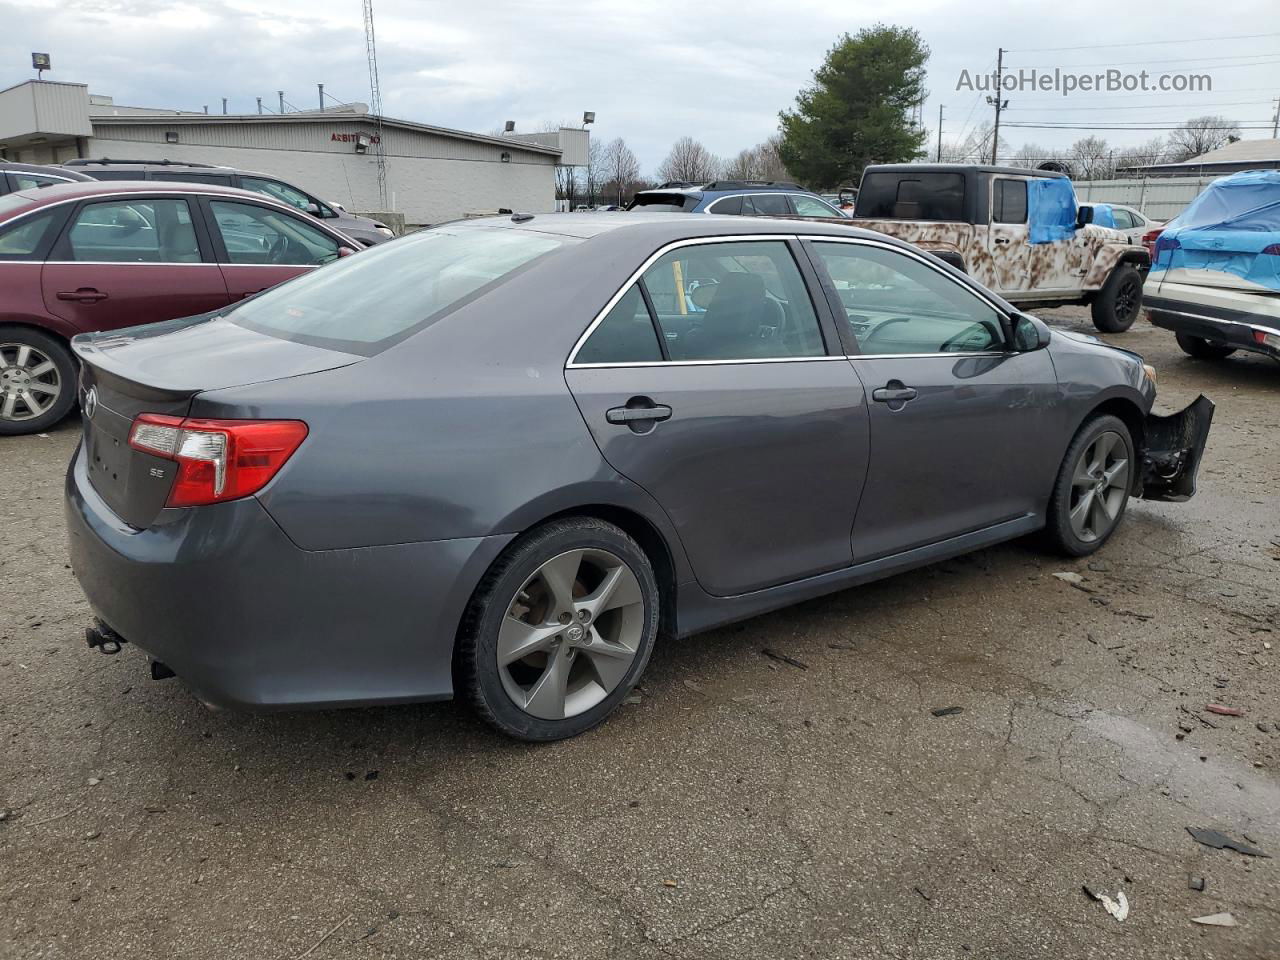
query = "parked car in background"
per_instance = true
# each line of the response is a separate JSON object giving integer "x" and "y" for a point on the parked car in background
{"x": 1215, "y": 277}
{"x": 1019, "y": 232}
{"x": 365, "y": 229}
{"x": 530, "y": 457}
{"x": 32, "y": 176}
{"x": 734, "y": 197}
{"x": 93, "y": 256}
{"x": 1133, "y": 223}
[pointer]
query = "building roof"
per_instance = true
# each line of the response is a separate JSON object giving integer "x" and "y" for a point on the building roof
{"x": 337, "y": 114}
{"x": 1241, "y": 155}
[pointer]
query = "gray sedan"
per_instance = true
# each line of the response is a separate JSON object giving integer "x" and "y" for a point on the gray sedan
{"x": 503, "y": 457}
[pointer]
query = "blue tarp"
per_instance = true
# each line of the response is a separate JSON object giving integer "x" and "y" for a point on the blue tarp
{"x": 1233, "y": 227}
{"x": 1104, "y": 216}
{"x": 1051, "y": 209}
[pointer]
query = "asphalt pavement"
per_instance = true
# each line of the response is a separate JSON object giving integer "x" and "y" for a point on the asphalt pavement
{"x": 742, "y": 806}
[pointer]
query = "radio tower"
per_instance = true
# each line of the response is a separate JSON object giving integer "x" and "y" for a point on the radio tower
{"x": 375, "y": 103}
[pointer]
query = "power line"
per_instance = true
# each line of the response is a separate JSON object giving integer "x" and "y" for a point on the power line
{"x": 1214, "y": 66}
{"x": 1245, "y": 125}
{"x": 1145, "y": 43}
{"x": 1156, "y": 106}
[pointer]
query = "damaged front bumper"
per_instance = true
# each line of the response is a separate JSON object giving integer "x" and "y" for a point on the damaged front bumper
{"x": 1174, "y": 447}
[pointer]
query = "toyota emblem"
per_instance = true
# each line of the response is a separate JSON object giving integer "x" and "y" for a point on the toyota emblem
{"x": 91, "y": 403}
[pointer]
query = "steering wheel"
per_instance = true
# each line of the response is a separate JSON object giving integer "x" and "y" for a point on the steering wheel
{"x": 875, "y": 331}
{"x": 280, "y": 249}
{"x": 964, "y": 335}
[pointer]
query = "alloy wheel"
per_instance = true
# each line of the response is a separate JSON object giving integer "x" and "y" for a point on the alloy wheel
{"x": 29, "y": 382}
{"x": 571, "y": 633}
{"x": 1099, "y": 485}
{"x": 1127, "y": 299}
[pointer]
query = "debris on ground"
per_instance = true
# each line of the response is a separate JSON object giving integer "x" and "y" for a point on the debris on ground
{"x": 693, "y": 686}
{"x": 1224, "y": 711}
{"x": 332, "y": 930}
{"x": 1219, "y": 841}
{"x": 783, "y": 658}
{"x": 920, "y": 891}
{"x": 1216, "y": 920}
{"x": 1118, "y": 908}
{"x": 841, "y": 646}
{"x": 5, "y": 815}
{"x": 670, "y": 883}
{"x": 1263, "y": 727}
{"x": 1066, "y": 576}
{"x": 946, "y": 711}
{"x": 371, "y": 775}
{"x": 1195, "y": 883}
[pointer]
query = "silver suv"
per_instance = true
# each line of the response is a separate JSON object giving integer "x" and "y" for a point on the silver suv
{"x": 364, "y": 229}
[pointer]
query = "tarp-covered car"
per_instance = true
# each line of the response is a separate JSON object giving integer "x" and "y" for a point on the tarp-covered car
{"x": 1215, "y": 276}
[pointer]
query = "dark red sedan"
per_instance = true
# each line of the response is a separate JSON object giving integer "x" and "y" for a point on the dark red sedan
{"x": 86, "y": 257}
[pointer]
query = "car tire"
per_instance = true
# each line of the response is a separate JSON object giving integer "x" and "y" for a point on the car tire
{"x": 25, "y": 358}
{"x": 1090, "y": 495}
{"x": 1203, "y": 349}
{"x": 576, "y": 666}
{"x": 1119, "y": 302}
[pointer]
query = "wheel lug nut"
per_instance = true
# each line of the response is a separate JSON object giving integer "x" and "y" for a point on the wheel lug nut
{"x": 565, "y": 617}
{"x": 584, "y": 615}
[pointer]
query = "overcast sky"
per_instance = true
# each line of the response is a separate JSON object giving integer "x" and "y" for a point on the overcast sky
{"x": 718, "y": 71}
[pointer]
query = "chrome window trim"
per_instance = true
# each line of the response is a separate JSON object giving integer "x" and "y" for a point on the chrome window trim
{"x": 817, "y": 238}
{"x": 711, "y": 207}
{"x": 1220, "y": 320}
{"x": 122, "y": 263}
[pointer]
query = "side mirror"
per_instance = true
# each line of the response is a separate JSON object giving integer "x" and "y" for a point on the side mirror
{"x": 313, "y": 208}
{"x": 345, "y": 251}
{"x": 1084, "y": 216}
{"x": 1029, "y": 333}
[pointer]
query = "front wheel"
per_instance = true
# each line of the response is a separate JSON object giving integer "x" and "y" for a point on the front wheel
{"x": 1203, "y": 349}
{"x": 1092, "y": 488}
{"x": 559, "y": 630}
{"x": 1118, "y": 303}
{"x": 37, "y": 380}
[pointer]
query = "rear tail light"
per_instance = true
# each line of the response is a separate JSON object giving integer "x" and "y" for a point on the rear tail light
{"x": 217, "y": 459}
{"x": 1272, "y": 250}
{"x": 1267, "y": 338}
{"x": 1149, "y": 241}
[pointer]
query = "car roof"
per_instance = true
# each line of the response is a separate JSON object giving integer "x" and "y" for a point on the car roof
{"x": 720, "y": 188}
{"x": 963, "y": 168}
{"x": 108, "y": 164}
{"x": 664, "y": 227}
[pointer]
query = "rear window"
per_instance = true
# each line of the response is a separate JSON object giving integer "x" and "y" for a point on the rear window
{"x": 911, "y": 196}
{"x": 103, "y": 174}
{"x": 365, "y": 303}
{"x": 663, "y": 202}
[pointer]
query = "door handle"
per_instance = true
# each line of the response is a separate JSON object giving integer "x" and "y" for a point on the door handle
{"x": 1002, "y": 240}
{"x": 637, "y": 413}
{"x": 891, "y": 394}
{"x": 82, "y": 295}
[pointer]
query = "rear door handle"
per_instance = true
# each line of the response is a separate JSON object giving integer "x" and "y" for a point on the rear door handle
{"x": 1002, "y": 239}
{"x": 638, "y": 414}
{"x": 82, "y": 295}
{"x": 894, "y": 394}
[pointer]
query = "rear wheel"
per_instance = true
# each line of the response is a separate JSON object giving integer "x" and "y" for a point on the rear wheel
{"x": 1092, "y": 489}
{"x": 1117, "y": 304}
{"x": 37, "y": 380}
{"x": 1203, "y": 349}
{"x": 559, "y": 630}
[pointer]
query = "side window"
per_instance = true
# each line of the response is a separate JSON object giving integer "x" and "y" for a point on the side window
{"x": 254, "y": 234}
{"x": 731, "y": 206}
{"x": 733, "y": 301}
{"x": 277, "y": 191}
{"x": 32, "y": 181}
{"x": 916, "y": 196}
{"x": 770, "y": 204}
{"x": 222, "y": 179}
{"x": 1124, "y": 220}
{"x": 134, "y": 231}
{"x": 24, "y": 239}
{"x": 895, "y": 304}
{"x": 812, "y": 206}
{"x": 1009, "y": 201}
{"x": 625, "y": 335}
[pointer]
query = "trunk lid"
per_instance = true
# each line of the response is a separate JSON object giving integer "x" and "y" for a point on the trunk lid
{"x": 160, "y": 368}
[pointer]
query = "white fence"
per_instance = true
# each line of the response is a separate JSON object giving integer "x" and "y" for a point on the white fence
{"x": 1159, "y": 198}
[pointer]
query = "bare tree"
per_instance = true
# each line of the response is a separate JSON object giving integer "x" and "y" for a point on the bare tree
{"x": 689, "y": 160}
{"x": 1092, "y": 158}
{"x": 1200, "y": 135}
{"x": 1031, "y": 155}
{"x": 594, "y": 169}
{"x": 620, "y": 170}
{"x": 761, "y": 162}
{"x": 1153, "y": 151}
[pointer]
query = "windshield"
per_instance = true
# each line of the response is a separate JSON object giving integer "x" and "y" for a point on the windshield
{"x": 366, "y": 302}
{"x": 662, "y": 202}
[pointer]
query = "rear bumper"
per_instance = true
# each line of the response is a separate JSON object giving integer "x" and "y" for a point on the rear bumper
{"x": 249, "y": 620}
{"x": 1235, "y": 328}
{"x": 1174, "y": 449}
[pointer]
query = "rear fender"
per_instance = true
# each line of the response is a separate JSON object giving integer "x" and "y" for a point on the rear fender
{"x": 1173, "y": 450}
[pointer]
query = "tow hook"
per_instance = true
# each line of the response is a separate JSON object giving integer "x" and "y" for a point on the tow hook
{"x": 103, "y": 637}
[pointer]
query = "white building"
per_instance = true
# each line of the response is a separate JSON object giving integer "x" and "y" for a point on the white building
{"x": 433, "y": 173}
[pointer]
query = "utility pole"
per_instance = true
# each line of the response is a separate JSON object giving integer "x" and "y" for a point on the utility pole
{"x": 259, "y": 105}
{"x": 224, "y": 106}
{"x": 939, "y": 160}
{"x": 1275, "y": 121}
{"x": 320, "y": 86}
{"x": 999, "y": 102}
{"x": 280, "y": 94}
{"x": 375, "y": 102}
